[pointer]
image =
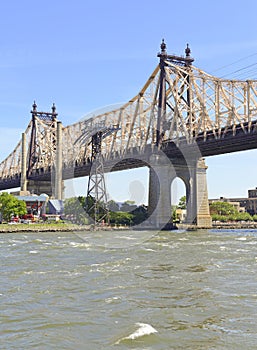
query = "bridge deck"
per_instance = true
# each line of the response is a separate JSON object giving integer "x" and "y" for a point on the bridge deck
{"x": 232, "y": 139}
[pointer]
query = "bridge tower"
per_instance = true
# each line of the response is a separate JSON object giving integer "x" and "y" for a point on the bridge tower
{"x": 190, "y": 168}
{"x": 44, "y": 158}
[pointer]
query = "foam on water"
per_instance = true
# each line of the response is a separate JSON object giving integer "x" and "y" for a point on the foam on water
{"x": 79, "y": 244}
{"x": 117, "y": 239}
{"x": 142, "y": 330}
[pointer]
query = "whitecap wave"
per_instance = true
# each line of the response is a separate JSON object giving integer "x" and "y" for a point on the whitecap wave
{"x": 142, "y": 330}
{"x": 79, "y": 244}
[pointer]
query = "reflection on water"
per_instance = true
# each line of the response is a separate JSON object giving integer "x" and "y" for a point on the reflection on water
{"x": 129, "y": 290}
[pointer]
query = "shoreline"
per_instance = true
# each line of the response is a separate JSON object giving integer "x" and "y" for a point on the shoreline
{"x": 235, "y": 225}
{"x": 20, "y": 228}
{"x": 6, "y": 228}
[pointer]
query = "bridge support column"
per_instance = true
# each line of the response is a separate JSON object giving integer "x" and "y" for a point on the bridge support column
{"x": 198, "y": 212}
{"x": 24, "y": 164}
{"x": 159, "y": 209}
{"x": 58, "y": 182}
{"x": 194, "y": 177}
{"x": 203, "y": 218}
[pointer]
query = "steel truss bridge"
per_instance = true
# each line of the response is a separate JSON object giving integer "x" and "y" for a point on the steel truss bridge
{"x": 180, "y": 108}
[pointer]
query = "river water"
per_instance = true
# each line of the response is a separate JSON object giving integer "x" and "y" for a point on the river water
{"x": 129, "y": 290}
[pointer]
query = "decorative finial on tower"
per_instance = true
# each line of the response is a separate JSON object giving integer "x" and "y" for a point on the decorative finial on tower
{"x": 34, "y": 107}
{"x": 53, "y": 108}
{"x": 163, "y": 48}
{"x": 187, "y": 51}
{"x": 54, "y": 114}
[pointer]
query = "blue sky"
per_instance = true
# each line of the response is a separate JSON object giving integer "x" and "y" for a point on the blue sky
{"x": 84, "y": 55}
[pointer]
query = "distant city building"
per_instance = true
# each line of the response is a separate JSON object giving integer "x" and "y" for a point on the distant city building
{"x": 252, "y": 193}
{"x": 181, "y": 214}
{"x": 40, "y": 204}
{"x": 248, "y": 205}
{"x": 55, "y": 207}
{"x": 35, "y": 204}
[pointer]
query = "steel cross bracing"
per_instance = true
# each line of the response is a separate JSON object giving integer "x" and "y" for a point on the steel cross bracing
{"x": 42, "y": 146}
{"x": 40, "y": 143}
{"x": 197, "y": 104}
{"x": 96, "y": 198}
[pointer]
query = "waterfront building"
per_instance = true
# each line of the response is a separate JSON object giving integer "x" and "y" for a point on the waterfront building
{"x": 248, "y": 204}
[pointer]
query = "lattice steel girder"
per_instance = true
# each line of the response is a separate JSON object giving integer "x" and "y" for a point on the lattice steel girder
{"x": 42, "y": 150}
{"x": 41, "y": 145}
{"x": 96, "y": 198}
{"x": 135, "y": 122}
{"x": 197, "y": 104}
{"x": 215, "y": 104}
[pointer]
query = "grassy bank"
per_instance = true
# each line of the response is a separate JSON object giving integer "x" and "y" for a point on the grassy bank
{"x": 49, "y": 227}
{"x": 54, "y": 227}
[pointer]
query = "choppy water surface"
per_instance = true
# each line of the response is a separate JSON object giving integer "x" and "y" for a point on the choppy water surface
{"x": 129, "y": 290}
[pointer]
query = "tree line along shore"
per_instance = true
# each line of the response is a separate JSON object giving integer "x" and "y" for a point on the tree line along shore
{"x": 120, "y": 216}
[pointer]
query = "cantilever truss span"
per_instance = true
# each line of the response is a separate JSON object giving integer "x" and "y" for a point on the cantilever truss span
{"x": 196, "y": 104}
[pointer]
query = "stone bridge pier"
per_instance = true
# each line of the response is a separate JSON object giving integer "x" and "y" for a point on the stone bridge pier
{"x": 193, "y": 174}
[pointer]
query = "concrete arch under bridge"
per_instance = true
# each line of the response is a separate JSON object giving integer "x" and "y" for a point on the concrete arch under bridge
{"x": 178, "y": 191}
{"x": 162, "y": 174}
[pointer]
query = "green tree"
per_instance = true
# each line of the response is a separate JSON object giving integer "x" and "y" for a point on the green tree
{"x": 140, "y": 214}
{"x": 174, "y": 213}
{"x": 221, "y": 218}
{"x": 121, "y": 218}
{"x": 182, "y": 203}
{"x": 243, "y": 217}
{"x": 74, "y": 209}
{"x": 222, "y": 208}
{"x": 97, "y": 210}
{"x": 11, "y": 206}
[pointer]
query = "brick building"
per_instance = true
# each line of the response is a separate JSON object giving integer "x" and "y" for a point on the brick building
{"x": 248, "y": 205}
